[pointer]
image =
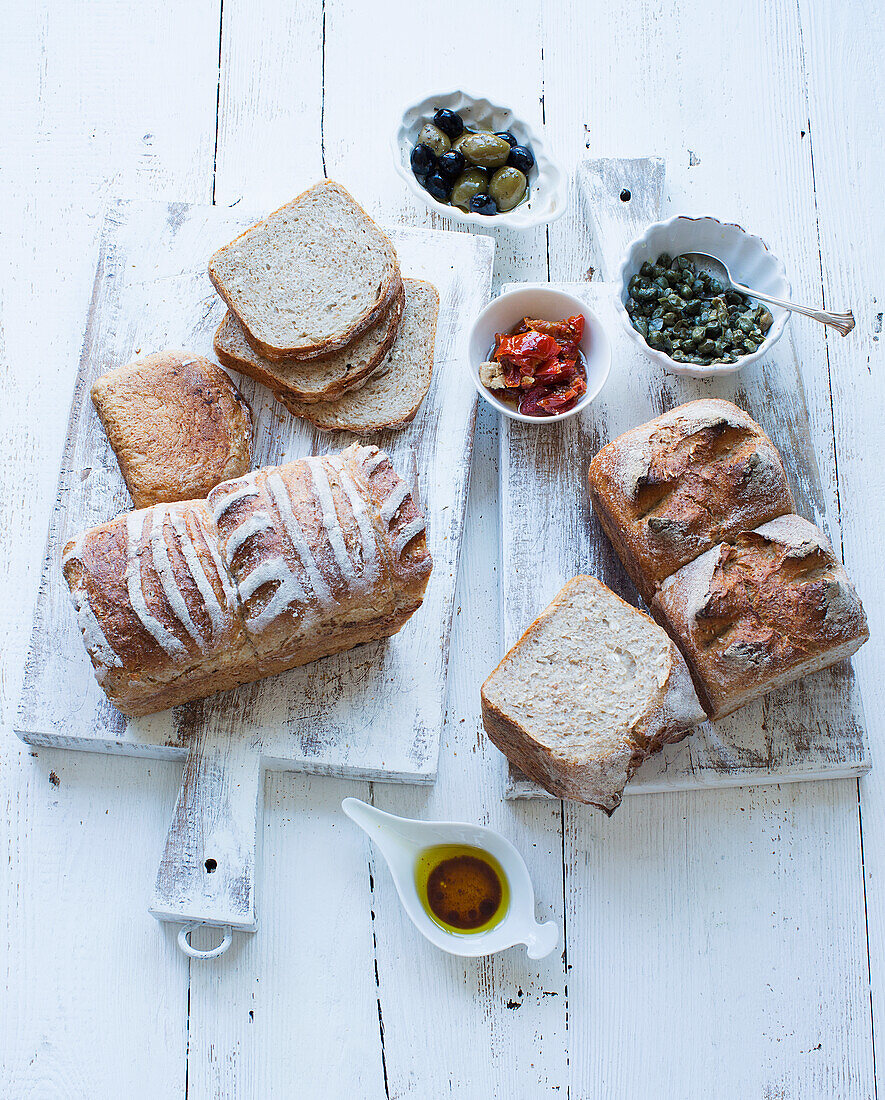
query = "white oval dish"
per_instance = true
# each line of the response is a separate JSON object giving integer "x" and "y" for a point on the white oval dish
{"x": 543, "y": 302}
{"x": 749, "y": 258}
{"x": 547, "y": 193}
{"x": 402, "y": 839}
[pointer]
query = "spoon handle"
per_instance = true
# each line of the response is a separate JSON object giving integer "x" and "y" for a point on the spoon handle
{"x": 841, "y": 322}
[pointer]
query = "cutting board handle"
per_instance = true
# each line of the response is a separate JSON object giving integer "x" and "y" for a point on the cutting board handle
{"x": 207, "y": 871}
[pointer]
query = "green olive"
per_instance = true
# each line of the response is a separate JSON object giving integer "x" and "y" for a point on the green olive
{"x": 435, "y": 138}
{"x": 507, "y": 188}
{"x": 485, "y": 150}
{"x": 472, "y": 182}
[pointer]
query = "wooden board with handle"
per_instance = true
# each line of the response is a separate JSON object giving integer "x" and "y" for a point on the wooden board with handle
{"x": 812, "y": 729}
{"x": 374, "y": 712}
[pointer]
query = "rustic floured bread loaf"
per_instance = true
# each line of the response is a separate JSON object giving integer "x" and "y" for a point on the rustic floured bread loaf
{"x": 309, "y": 278}
{"x": 276, "y": 569}
{"x": 760, "y": 610}
{"x": 315, "y": 379}
{"x": 670, "y": 489}
{"x": 391, "y": 397}
{"x": 590, "y": 690}
{"x": 177, "y": 424}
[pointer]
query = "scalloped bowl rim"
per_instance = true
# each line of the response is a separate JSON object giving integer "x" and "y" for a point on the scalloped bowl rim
{"x": 601, "y": 361}
{"x": 555, "y": 193}
{"x": 698, "y": 370}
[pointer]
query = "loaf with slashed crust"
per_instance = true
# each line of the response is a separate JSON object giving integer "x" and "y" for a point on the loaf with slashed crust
{"x": 670, "y": 489}
{"x": 760, "y": 610}
{"x": 312, "y": 380}
{"x": 274, "y": 570}
{"x": 310, "y": 278}
{"x": 590, "y": 690}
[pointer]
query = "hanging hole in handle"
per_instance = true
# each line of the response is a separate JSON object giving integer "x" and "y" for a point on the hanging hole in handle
{"x": 210, "y": 865}
{"x": 625, "y": 195}
{"x": 210, "y": 952}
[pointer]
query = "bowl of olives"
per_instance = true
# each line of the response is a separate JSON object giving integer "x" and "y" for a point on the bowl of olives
{"x": 477, "y": 163}
{"x": 685, "y": 319}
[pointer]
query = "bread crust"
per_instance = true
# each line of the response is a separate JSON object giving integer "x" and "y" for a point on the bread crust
{"x": 370, "y": 316}
{"x": 670, "y": 489}
{"x": 586, "y": 774}
{"x": 763, "y": 609}
{"x": 274, "y": 570}
{"x": 367, "y": 408}
{"x": 177, "y": 425}
{"x": 291, "y": 379}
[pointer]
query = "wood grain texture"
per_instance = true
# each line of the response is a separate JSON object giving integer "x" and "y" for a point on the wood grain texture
{"x": 373, "y": 711}
{"x": 715, "y": 939}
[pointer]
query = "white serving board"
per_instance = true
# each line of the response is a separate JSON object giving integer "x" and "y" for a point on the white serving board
{"x": 374, "y": 712}
{"x": 812, "y": 729}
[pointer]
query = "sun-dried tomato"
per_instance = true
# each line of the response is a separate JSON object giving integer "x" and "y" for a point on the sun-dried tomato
{"x": 567, "y": 333}
{"x": 526, "y": 349}
{"x": 542, "y": 365}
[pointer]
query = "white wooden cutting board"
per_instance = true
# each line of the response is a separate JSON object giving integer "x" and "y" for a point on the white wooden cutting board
{"x": 374, "y": 712}
{"x": 812, "y": 729}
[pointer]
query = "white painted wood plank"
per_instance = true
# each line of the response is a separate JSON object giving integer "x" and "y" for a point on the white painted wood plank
{"x": 96, "y": 97}
{"x": 723, "y": 103}
{"x": 372, "y": 712}
{"x": 262, "y": 1016}
{"x": 493, "y": 1027}
{"x": 848, "y": 164}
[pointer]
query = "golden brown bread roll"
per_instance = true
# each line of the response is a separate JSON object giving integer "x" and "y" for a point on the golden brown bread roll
{"x": 177, "y": 424}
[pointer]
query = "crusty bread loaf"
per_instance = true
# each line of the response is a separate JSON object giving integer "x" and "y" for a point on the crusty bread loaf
{"x": 760, "y": 610}
{"x": 392, "y": 396}
{"x": 177, "y": 424}
{"x": 590, "y": 690}
{"x": 276, "y": 569}
{"x": 315, "y": 379}
{"x": 309, "y": 278}
{"x": 670, "y": 489}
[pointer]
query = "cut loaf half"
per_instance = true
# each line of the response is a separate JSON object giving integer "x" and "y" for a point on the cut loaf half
{"x": 315, "y": 379}
{"x": 590, "y": 690}
{"x": 392, "y": 396}
{"x": 309, "y": 278}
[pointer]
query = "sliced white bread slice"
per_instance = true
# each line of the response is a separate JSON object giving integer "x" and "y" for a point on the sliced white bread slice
{"x": 392, "y": 396}
{"x": 590, "y": 690}
{"x": 309, "y": 278}
{"x": 315, "y": 379}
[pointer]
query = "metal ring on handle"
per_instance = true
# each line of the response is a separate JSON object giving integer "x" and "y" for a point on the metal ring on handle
{"x": 211, "y": 953}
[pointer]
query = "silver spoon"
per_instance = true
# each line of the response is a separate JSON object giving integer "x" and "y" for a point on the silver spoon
{"x": 841, "y": 322}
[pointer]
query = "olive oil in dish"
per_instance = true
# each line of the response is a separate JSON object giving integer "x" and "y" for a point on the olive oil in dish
{"x": 463, "y": 889}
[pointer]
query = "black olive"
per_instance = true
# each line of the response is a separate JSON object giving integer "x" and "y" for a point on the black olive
{"x": 438, "y": 186}
{"x": 508, "y": 137}
{"x": 521, "y": 157}
{"x": 451, "y": 164}
{"x": 483, "y": 204}
{"x": 452, "y": 125}
{"x": 422, "y": 160}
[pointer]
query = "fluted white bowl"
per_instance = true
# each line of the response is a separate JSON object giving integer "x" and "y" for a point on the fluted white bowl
{"x": 503, "y": 313}
{"x": 547, "y": 191}
{"x": 748, "y": 257}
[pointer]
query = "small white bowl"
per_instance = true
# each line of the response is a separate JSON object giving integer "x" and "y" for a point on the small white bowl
{"x": 749, "y": 258}
{"x": 543, "y": 302}
{"x": 547, "y": 197}
{"x": 402, "y": 839}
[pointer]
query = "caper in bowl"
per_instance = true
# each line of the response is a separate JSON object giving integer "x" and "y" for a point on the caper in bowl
{"x": 678, "y": 314}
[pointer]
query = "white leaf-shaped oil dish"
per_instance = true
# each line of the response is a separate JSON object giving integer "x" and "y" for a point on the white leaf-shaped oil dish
{"x": 402, "y": 841}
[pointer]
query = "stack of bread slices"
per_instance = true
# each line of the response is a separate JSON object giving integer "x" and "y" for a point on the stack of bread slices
{"x": 319, "y": 312}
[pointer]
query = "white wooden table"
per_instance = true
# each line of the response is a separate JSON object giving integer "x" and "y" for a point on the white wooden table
{"x": 726, "y": 944}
